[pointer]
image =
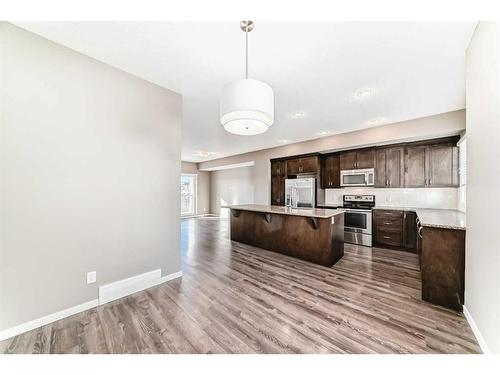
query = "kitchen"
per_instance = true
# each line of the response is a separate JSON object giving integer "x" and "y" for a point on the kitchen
{"x": 349, "y": 181}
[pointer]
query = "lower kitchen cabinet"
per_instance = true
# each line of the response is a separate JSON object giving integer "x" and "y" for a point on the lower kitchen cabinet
{"x": 395, "y": 229}
{"x": 442, "y": 265}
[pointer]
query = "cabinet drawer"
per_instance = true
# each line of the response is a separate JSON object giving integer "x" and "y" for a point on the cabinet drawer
{"x": 388, "y": 213}
{"x": 389, "y": 238}
{"x": 389, "y": 224}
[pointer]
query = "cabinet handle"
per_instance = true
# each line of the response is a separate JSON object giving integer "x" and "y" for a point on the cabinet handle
{"x": 387, "y": 223}
{"x": 389, "y": 182}
{"x": 430, "y": 182}
{"x": 388, "y": 237}
{"x": 420, "y": 232}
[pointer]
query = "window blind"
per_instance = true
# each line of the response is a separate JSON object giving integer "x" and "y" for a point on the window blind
{"x": 462, "y": 161}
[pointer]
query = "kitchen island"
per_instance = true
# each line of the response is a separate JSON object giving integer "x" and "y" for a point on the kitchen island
{"x": 315, "y": 235}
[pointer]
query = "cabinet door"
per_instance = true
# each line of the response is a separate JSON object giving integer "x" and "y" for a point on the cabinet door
{"x": 365, "y": 159}
{"x": 443, "y": 166}
{"x": 410, "y": 230}
{"x": 277, "y": 190}
{"x": 416, "y": 166}
{"x": 309, "y": 164}
{"x": 394, "y": 167}
{"x": 330, "y": 173}
{"x": 293, "y": 166}
{"x": 348, "y": 160}
{"x": 380, "y": 168}
{"x": 276, "y": 167}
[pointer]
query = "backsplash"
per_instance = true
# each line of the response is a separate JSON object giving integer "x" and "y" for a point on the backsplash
{"x": 444, "y": 198}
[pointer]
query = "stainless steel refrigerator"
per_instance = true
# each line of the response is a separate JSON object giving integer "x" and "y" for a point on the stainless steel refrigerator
{"x": 300, "y": 192}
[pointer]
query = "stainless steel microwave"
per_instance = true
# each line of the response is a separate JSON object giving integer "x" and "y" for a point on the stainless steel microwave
{"x": 357, "y": 177}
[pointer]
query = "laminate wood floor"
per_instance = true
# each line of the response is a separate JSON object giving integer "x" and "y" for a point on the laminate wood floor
{"x": 235, "y": 298}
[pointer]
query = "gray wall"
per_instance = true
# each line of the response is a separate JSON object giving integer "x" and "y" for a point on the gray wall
{"x": 203, "y": 186}
{"x": 231, "y": 186}
{"x": 89, "y": 176}
{"x": 450, "y": 123}
{"x": 482, "y": 264}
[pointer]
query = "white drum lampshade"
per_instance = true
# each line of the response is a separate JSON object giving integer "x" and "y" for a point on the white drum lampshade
{"x": 247, "y": 107}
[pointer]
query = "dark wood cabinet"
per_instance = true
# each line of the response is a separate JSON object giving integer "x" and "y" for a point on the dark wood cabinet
{"x": 395, "y": 229}
{"x": 330, "y": 171}
{"x": 388, "y": 227}
{"x": 443, "y": 166}
{"x": 365, "y": 159}
{"x": 357, "y": 159}
{"x": 308, "y": 164}
{"x": 278, "y": 176}
{"x": 431, "y": 166}
{"x": 348, "y": 160}
{"x": 389, "y": 167}
{"x": 410, "y": 230}
{"x": 442, "y": 265}
{"x": 416, "y": 166}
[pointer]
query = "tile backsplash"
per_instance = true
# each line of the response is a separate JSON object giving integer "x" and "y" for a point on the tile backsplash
{"x": 444, "y": 198}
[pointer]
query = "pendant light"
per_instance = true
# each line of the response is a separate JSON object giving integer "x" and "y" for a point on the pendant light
{"x": 247, "y": 105}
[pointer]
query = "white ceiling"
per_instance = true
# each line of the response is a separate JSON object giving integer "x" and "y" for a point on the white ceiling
{"x": 415, "y": 69}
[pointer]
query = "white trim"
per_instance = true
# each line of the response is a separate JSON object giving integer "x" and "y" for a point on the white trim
{"x": 475, "y": 330}
{"x": 134, "y": 284}
{"x": 36, "y": 323}
{"x": 172, "y": 276}
{"x": 229, "y": 166}
{"x": 122, "y": 287}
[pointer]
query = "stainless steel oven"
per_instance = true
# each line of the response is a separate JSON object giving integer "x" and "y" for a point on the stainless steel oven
{"x": 358, "y": 219}
{"x": 358, "y": 226}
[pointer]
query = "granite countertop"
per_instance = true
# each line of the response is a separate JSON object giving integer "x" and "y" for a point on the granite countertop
{"x": 436, "y": 218}
{"x": 322, "y": 213}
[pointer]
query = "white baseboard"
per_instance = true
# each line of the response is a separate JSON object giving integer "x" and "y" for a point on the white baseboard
{"x": 475, "y": 330}
{"x": 172, "y": 276}
{"x": 36, "y": 323}
{"x": 110, "y": 292}
{"x": 134, "y": 284}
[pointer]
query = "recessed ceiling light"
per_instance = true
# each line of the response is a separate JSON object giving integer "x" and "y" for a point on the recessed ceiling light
{"x": 283, "y": 141}
{"x": 204, "y": 154}
{"x": 298, "y": 114}
{"x": 363, "y": 93}
{"x": 323, "y": 132}
{"x": 376, "y": 121}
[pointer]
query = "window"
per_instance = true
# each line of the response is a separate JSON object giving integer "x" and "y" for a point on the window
{"x": 188, "y": 194}
{"x": 462, "y": 161}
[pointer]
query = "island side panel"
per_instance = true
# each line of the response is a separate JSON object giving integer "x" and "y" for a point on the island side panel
{"x": 314, "y": 240}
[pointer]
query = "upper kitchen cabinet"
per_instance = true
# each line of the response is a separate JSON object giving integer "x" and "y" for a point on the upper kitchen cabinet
{"x": 330, "y": 171}
{"x": 443, "y": 166}
{"x": 389, "y": 167}
{"x": 308, "y": 164}
{"x": 357, "y": 159}
{"x": 416, "y": 166}
{"x": 434, "y": 165}
{"x": 278, "y": 176}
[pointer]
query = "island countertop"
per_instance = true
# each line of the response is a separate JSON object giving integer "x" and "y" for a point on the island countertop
{"x": 322, "y": 213}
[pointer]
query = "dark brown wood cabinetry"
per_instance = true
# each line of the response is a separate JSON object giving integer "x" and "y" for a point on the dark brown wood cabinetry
{"x": 395, "y": 228}
{"x": 308, "y": 164}
{"x": 357, "y": 159}
{"x": 410, "y": 230}
{"x": 389, "y": 167}
{"x": 278, "y": 176}
{"x": 330, "y": 172}
{"x": 434, "y": 165}
{"x": 442, "y": 264}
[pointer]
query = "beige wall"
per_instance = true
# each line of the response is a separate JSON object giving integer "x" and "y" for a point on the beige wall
{"x": 482, "y": 264}
{"x": 203, "y": 203}
{"x": 89, "y": 176}
{"x": 231, "y": 186}
{"x": 451, "y": 123}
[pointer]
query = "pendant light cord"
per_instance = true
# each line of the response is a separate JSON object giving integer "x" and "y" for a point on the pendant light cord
{"x": 246, "y": 53}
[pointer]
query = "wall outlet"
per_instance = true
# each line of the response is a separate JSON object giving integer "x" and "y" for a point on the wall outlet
{"x": 91, "y": 277}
